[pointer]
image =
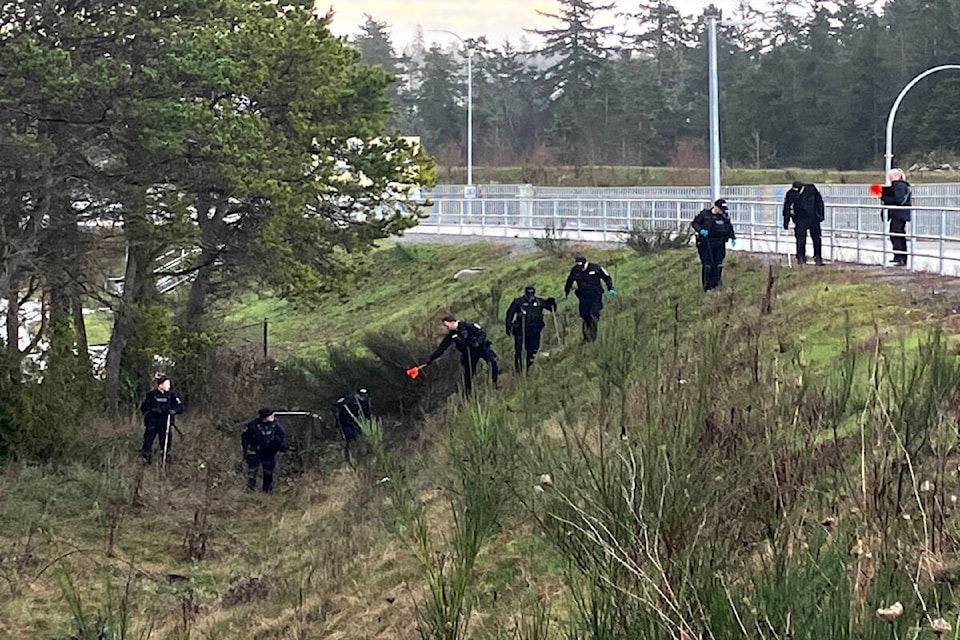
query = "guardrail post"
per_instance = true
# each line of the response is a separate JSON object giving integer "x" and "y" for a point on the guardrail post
{"x": 859, "y": 231}
{"x": 913, "y": 246}
{"x": 943, "y": 232}
{"x": 603, "y": 213}
{"x": 579, "y": 219}
{"x": 833, "y": 234}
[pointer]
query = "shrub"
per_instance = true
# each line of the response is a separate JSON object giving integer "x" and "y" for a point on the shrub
{"x": 645, "y": 240}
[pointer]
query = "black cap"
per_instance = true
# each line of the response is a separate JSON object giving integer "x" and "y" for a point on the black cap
{"x": 721, "y": 203}
{"x": 797, "y": 184}
{"x": 580, "y": 260}
{"x": 265, "y": 413}
{"x": 529, "y": 291}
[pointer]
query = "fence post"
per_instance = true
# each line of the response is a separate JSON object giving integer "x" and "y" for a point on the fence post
{"x": 753, "y": 222}
{"x": 463, "y": 204}
{"x": 483, "y": 216}
{"x": 579, "y": 219}
{"x": 883, "y": 241}
{"x": 859, "y": 232}
{"x": 556, "y": 218}
{"x": 833, "y": 234}
{"x": 943, "y": 232}
{"x": 679, "y": 214}
{"x": 603, "y": 214}
{"x": 265, "y": 342}
{"x": 913, "y": 246}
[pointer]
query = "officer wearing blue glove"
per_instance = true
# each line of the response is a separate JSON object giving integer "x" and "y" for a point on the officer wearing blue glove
{"x": 713, "y": 229}
{"x": 588, "y": 278}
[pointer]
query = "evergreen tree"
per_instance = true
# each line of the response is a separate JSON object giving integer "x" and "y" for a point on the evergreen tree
{"x": 576, "y": 51}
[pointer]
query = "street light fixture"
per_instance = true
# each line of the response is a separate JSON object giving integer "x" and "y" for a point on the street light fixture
{"x": 888, "y": 150}
{"x": 469, "y": 192}
{"x": 712, "y": 22}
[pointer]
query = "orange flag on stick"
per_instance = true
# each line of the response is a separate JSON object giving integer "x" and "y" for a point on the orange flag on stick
{"x": 876, "y": 190}
{"x": 414, "y": 372}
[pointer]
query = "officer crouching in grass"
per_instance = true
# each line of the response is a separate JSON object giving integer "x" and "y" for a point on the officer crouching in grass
{"x": 262, "y": 440}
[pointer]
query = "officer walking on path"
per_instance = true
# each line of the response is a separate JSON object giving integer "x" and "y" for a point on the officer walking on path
{"x": 160, "y": 407}
{"x": 804, "y": 205}
{"x": 524, "y": 322}
{"x": 350, "y": 409}
{"x": 589, "y": 290}
{"x": 262, "y": 440}
{"x": 713, "y": 229}
{"x": 471, "y": 341}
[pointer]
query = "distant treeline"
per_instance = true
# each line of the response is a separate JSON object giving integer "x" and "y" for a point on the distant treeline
{"x": 806, "y": 84}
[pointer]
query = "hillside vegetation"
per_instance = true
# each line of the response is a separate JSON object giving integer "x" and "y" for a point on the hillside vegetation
{"x": 776, "y": 459}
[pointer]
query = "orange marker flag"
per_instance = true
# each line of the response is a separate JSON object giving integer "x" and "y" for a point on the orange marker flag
{"x": 876, "y": 190}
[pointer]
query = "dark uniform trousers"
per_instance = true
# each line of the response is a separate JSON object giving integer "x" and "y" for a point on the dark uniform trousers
{"x": 469, "y": 360}
{"x": 712, "y": 254}
{"x": 268, "y": 461}
{"x": 528, "y": 341}
{"x": 800, "y": 229}
{"x": 590, "y": 306}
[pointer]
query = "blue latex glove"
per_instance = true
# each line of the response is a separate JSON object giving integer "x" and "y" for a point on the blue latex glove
{"x": 612, "y": 292}
{"x": 703, "y": 232}
{"x": 733, "y": 242}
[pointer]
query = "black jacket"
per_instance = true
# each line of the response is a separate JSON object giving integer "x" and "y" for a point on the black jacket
{"x": 900, "y": 194}
{"x": 467, "y": 336}
{"x": 803, "y": 205}
{"x": 526, "y": 314}
{"x": 156, "y": 406}
{"x": 350, "y": 408}
{"x": 261, "y": 437}
{"x": 718, "y": 226}
{"x": 588, "y": 279}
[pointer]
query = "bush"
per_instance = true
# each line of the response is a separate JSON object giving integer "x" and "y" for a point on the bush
{"x": 645, "y": 240}
{"x": 554, "y": 244}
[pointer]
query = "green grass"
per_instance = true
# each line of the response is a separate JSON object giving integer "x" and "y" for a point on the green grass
{"x": 322, "y": 545}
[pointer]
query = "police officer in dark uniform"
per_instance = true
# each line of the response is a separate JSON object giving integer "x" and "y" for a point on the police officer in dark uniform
{"x": 160, "y": 407}
{"x": 713, "y": 229}
{"x": 471, "y": 341}
{"x": 262, "y": 440}
{"x": 804, "y": 205}
{"x": 590, "y": 292}
{"x": 524, "y": 322}
{"x": 349, "y": 410}
{"x": 899, "y": 194}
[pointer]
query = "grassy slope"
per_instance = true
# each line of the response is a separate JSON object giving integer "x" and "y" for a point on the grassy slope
{"x": 315, "y": 560}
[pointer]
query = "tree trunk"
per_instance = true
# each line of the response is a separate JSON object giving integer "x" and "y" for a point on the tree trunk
{"x": 122, "y": 329}
{"x": 13, "y": 328}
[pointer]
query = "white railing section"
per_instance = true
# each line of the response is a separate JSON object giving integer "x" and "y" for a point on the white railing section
{"x": 853, "y": 230}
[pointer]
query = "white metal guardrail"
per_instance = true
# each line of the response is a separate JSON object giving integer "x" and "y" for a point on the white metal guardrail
{"x": 853, "y": 230}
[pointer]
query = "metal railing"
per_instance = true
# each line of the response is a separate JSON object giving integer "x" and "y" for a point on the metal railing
{"x": 853, "y": 231}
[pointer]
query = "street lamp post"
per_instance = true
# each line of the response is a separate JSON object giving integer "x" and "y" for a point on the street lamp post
{"x": 712, "y": 22}
{"x": 469, "y": 190}
{"x": 888, "y": 150}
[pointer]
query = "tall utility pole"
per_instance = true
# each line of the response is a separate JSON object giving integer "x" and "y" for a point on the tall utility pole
{"x": 469, "y": 192}
{"x": 712, "y": 22}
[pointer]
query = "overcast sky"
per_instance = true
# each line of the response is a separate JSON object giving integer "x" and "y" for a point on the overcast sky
{"x": 496, "y": 19}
